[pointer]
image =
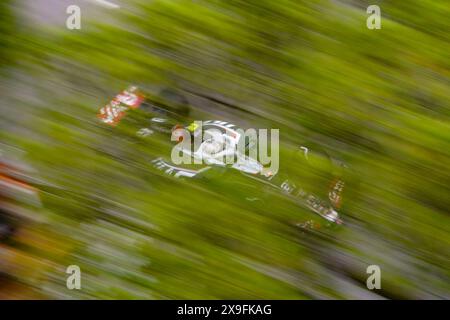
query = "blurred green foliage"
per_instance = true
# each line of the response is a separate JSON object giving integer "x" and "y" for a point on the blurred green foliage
{"x": 378, "y": 99}
{"x": 7, "y": 24}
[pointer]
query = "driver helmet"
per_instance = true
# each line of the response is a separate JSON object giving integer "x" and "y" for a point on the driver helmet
{"x": 213, "y": 142}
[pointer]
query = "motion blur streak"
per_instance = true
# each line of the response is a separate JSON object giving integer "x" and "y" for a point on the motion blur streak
{"x": 75, "y": 191}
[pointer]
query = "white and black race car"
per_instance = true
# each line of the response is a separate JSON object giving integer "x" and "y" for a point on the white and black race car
{"x": 213, "y": 144}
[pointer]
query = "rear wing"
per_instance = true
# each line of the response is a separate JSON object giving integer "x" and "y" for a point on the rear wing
{"x": 115, "y": 110}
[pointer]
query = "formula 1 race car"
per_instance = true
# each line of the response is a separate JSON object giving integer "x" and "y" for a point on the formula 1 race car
{"x": 209, "y": 146}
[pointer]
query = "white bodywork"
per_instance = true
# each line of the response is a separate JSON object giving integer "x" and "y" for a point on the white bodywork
{"x": 219, "y": 147}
